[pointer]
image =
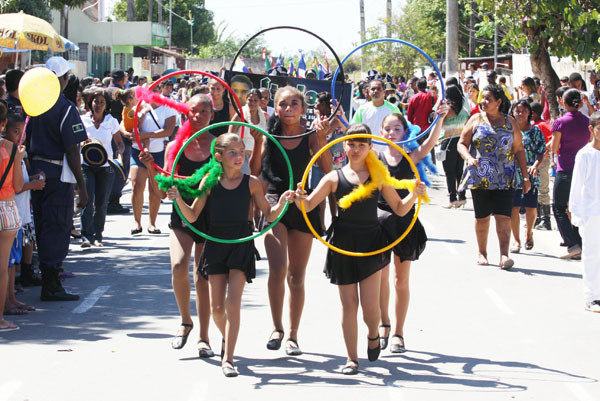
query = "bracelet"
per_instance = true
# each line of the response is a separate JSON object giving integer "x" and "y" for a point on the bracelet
{"x": 526, "y": 179}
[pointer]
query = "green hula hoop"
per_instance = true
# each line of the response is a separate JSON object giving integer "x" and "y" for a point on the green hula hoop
{"x": 287, "y": 162}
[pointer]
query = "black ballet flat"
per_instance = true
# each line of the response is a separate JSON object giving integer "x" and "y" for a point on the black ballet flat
{"x": 384, "y": 339}
{"x": 351, "y": 368}
{"x": 275, "y": 343}
{"x": 398, "y": 348}
{"x": 373, "y": 353}
{"x": 179, "y": 341}
{"x": 205, "y": 352}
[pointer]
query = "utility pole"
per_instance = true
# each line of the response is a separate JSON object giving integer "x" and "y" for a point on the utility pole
{"x": 191, "y": 22}
{"x": 363, "y": 37}
{"x": 389, "y": 18}
{"x": 451, "y": 38}
{"x": 170, "y": 22}
{"x": 472, "y": 29}
{"x": 159, "y": 10}
{"x": 495, "y": 43}
{"x": 150, "y": 5}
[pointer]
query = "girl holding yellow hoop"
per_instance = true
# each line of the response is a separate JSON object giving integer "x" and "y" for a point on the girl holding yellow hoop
{"x": 289, "y": 243}
{"x": 357, "y": 229}
{"x": 396, "y": 128}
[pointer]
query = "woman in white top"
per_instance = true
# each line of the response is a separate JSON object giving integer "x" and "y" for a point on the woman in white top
{"x": 158, "y": 124}
{"x": 576, "y": 81}
{"x": 103, "y": 127}
{"x": 254, "y": 115}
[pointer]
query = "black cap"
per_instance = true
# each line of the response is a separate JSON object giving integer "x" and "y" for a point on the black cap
{"x": 117, "y": 75}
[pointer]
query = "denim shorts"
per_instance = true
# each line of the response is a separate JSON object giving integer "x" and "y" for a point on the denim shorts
{"x": 159, "y": 158}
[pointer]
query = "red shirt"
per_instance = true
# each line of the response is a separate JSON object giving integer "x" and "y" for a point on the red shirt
{"x": 546, "y": 129}
{"x": 419, "y": 107}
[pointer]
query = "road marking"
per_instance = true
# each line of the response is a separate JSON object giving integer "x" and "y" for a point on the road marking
{"x": 579, "y": 392}
{"x": 91, "y": 299}
{"x": 8, "y": 389}
{"x": 499, "y": 302}
{"x": 451, "y": 248}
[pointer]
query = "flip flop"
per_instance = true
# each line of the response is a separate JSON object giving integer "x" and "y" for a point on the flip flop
{"x": 15, "y": 311}
{"x": 28, "y": 308}
{"x": 11, "y": 327}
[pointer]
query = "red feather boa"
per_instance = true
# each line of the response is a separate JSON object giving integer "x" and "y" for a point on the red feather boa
{"x": 183, "y": 134}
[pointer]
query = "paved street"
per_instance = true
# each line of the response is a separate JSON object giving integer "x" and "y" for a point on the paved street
{"x": 473, "y": 333}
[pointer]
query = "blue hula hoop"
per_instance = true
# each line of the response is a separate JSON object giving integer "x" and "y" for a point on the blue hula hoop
{"x": 439, "y": 74}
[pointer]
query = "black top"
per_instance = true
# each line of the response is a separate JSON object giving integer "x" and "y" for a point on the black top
{"x": 363, "y": 212}
{"x": 275, "y": 169}
{"x": 219, "y": 117}
{"x": 229, "y": 206}
{"x": 401, "y": 171}
{"x": 187, "y": 167}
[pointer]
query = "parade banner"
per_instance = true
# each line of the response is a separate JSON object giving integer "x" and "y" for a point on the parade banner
{"x": 310, "y": 88}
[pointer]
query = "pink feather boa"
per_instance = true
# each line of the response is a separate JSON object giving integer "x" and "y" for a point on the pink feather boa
{"x": 148, "y": 96}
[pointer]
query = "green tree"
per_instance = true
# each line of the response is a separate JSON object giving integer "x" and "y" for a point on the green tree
{"x": 229, "y": 46}
{"x": 204, "y": 32}
{"x": 562, "y": 28}
{"x": 63, "y": 6}
{"x": 36, "y": 8}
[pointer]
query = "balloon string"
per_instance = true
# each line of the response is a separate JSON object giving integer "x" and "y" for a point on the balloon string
{"x": 24, "y": 129}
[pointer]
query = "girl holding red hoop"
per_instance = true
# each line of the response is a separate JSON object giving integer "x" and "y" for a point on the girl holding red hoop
{"x": 182, "y": 239}
{"x": 357, "y": 229}
{"x": 228, "y": 266}
{"x": 289, "y": 243}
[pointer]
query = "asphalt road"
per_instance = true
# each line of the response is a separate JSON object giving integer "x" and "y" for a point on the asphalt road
{"x": 473, "y": 333}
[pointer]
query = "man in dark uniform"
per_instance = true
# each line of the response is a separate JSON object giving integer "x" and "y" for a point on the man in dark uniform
{"x": 116, "y": 109}
{"x": 54, "y": 138}
{"x": 13, "y": 103}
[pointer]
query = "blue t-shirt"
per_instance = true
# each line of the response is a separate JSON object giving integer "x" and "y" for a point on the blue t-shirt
{"x": 51, "y": 133}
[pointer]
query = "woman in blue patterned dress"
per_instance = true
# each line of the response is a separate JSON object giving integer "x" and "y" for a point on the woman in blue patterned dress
{"x": 490, "y": 143}
{"x": 535, "y": 149}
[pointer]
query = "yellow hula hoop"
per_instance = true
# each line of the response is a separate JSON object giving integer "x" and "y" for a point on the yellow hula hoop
{"x": 305, "y": 177}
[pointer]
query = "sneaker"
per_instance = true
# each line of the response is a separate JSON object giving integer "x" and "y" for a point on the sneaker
{"x": 593, "y": 306}
{"x": 572, "y": 252}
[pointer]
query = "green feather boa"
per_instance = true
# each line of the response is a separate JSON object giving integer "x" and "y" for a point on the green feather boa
{"x": 188, "y": 187}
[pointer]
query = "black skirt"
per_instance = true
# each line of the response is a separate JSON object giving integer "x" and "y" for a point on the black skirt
{"x": 342, "y": 269}
{"x": 293, "y": 219}
{"x": 219, "y": 258}
{"x": 413, "y": 245}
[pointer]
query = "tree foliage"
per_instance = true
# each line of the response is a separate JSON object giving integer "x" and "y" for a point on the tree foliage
{"x": 36, "y": 8}
{"x": 228, "y": 47}
{"x": 562, "y": 28}
{"x": 203, "y": 30}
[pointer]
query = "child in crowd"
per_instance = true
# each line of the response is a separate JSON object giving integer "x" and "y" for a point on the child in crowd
{"x": 584, "y": 205}
{"x": 357, "y": 186}
{"x": 129, "y": 101}
{"x": 12, "y": 132}
{"x": 227, "y": 192}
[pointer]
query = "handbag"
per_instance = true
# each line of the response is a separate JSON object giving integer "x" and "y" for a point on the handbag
{"x": 440, "y": 155}
{"x": 13, "y": 152}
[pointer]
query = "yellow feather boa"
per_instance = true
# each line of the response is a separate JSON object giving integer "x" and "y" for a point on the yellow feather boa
{"x": 380, "y": 176}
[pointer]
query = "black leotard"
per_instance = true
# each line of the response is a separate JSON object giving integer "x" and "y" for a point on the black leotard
{"x": 187, "y": 167}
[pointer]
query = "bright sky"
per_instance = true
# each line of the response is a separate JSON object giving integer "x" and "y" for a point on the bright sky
{"x": 336, "y": 21}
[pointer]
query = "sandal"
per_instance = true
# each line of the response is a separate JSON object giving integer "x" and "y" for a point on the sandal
{"x": 135, "y": 231}
{"x": 206, "y": 352}
{"x": 398, "y": 348}
{"x": 15, "y": 311}
{"x": 384, "y": 339}
{"x": 351, "y": 368}
{"x": 229, "y": 369}
{"x": 373, "y": 353}
{"x": 275, "y": 343}
{"x": 292, "y": 348}
{"x": 529, "y": 244}
{"x": 10, "y": 327}
{"x": 179, "y": 341}
{"x": 515, "y": 248}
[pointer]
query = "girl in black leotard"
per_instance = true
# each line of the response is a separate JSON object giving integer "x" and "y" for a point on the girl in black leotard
{"x": 229, "y": 266}
{"x": 181, "y": 238}
{"x": 356, "y": 229}
{"x": 395, "y": 129}
{"x": 288, "y": 244}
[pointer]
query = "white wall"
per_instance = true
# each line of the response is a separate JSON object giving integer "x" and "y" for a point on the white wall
{"x": 563, "y": 66}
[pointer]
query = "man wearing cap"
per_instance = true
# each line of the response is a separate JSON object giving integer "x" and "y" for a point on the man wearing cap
{"x": 13, "y": 103}
{"x": 53, "y": 139}
{"x": 118, "y": 82}
{"x": 374, "y": 112}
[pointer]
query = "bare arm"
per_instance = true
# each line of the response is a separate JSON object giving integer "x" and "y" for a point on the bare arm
{"x": 556, "y": 136}
{"x": 327, "y": 185}
{"x": 161, "y": 133}
{"x": 258, "y": 153}
{"x": 434, "y": 135}
{"x": 401, "y": 206}
{"x": 318, "y": 141}
{"x": 465, "y": 141}
{"x": 18, "y": 179}
{"x": 258, "y": 195}
{"x": 190, "y": 212}
{"x": 119, "y": 141}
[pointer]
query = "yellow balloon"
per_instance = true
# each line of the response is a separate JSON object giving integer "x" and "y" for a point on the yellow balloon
{"x": 38, "y": 91}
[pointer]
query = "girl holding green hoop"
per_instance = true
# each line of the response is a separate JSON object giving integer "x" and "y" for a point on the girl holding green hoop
{"x": 229, "y": 266}
{"x": 182, "y": 240}
{"x": 289, "y": 243}
{"x": 357, "y": 229}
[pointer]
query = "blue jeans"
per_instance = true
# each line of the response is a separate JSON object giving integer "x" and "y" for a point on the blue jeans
{"x": 98, "y": 182}
{"x": 562, "y": 187}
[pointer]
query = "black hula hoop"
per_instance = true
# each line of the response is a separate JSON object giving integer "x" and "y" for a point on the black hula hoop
{"x": 337, "y": 59}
